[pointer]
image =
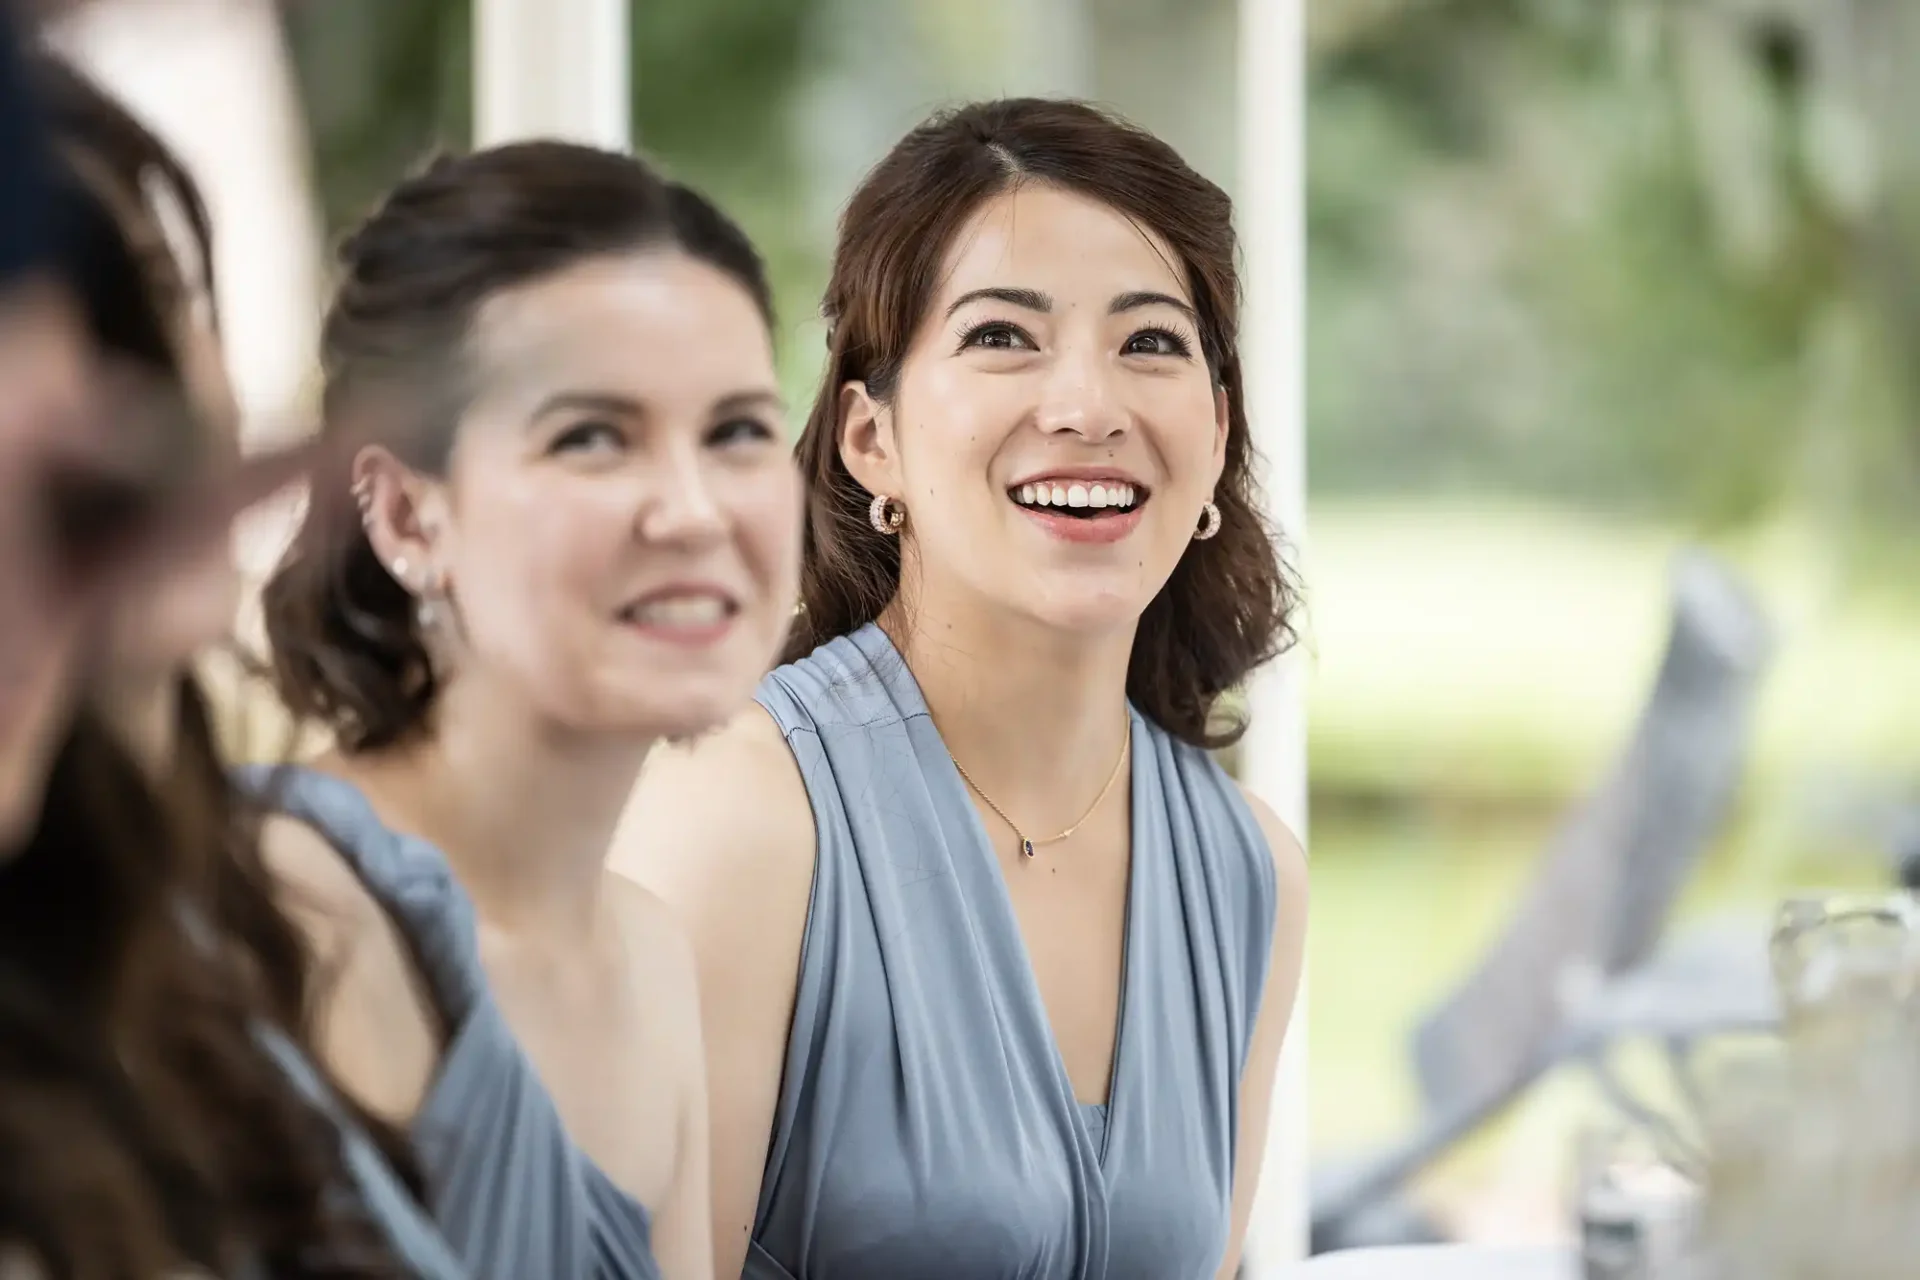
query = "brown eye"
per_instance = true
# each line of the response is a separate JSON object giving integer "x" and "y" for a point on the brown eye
{"x": 741, "y": 431}
{"x": 1158, "y": 342}
{"x": 996, "y": 335}
{"x": 588, "y": 436}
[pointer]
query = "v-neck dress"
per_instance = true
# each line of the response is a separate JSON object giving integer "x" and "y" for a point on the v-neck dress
{"x": 926, "y": 1125}
{"x": 510, "y": 1191}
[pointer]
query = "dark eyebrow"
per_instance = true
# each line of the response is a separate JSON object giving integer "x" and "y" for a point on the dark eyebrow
{"x": 605, "y": 402}
{"x": 1026, "y": 299}
{"x": 1148, "y": 298}
{"x": 746, "y": 401}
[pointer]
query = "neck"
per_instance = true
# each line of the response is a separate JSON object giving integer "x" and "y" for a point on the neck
{"x": 1036, "y": 717}
{"x": 524, "y": 812}
{"x": 145, "y": 711}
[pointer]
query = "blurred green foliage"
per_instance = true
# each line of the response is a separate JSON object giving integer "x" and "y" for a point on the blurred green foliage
{"x": 1582, "y": 251}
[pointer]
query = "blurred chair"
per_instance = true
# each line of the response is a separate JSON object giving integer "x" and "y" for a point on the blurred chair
{"x": 1606, "y": 885}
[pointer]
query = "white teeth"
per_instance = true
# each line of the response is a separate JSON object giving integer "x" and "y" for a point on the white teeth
{"x": 680, "y": 611}
{"x": 1042, "y": 493}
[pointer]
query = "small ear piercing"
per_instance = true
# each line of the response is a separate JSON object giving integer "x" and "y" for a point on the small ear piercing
{"x": 400, "y": 570}
{"x": 1209, "y": 523}
{"x": 886, "y": 515}
{"x": 363, "y": 495}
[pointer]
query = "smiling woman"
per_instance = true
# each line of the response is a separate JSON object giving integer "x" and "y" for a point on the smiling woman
{"x": 590, "y": 547}
{"x": 985, "y": 1011}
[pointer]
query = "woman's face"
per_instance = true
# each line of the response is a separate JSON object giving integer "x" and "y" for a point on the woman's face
{"x": 154, "y": 631}
{"x": 1056, "y": 431}
{"x": 617, "y": 538}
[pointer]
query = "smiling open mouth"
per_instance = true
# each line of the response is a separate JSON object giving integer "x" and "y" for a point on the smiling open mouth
{"x": 1081, "y": 499}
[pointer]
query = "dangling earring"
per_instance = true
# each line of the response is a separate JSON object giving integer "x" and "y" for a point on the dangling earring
{"x": 427, "y": 609}
{"x": 1209, "y": 523}
{"x": 885, "y": 515}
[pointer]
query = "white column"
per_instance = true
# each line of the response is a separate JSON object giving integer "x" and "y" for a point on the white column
{"x": 181, "y": 66}
{"x": 552, "y": 69}
{"x": 1272, "y": 222}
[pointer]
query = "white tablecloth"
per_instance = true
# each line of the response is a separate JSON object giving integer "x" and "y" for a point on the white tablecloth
{"x": 1439, "y": 1262}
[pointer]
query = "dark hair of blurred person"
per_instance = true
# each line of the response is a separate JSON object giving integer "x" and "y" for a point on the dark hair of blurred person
{"x": 145, "y": 1125}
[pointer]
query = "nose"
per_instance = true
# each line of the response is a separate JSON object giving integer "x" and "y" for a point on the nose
{"x": 680, "y": 507}
{"x": 1080, "y": 398}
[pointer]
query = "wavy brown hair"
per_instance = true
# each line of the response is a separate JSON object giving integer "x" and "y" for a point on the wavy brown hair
{"x": 1228, "y": 606}
{"x": 143, "y": 1126}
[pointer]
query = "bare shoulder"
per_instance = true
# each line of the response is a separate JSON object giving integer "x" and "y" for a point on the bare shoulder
{"x": 315, "y": 884}
{"x": 1290, "y": 879}
{"x": 730, "y": 805}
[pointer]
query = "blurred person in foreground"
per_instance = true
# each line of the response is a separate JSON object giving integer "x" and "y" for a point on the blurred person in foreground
{"x": 88, "y": 507}
{"x": 156, "y": 1111}
{"x": 43, "y": 401}
{"x": 997, "y": 961}
{"x": 594, "y": 550}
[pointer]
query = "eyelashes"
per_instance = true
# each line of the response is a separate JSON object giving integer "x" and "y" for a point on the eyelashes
{"x": 1004, "y": 335}
{"x": 974, "y": 335}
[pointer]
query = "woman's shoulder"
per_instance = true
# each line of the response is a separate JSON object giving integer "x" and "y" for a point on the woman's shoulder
{"x": 735, "y": 794}
{"x": 377, "y": 1026}
{"x": 316, "y": 882}
{"x": 1284, "y": 852}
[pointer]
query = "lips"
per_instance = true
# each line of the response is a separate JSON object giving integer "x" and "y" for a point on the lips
{"x": 684, "y": 615}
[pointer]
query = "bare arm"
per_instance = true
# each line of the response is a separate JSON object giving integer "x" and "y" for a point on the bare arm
{"x": 1270, "y": 1029}
{"x": 723, "y": 831}
{"x": 682, "y": 1216}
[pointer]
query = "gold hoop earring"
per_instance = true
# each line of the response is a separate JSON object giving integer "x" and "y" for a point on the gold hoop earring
{"x": 885, "y": 515}
{"x": 1209, "y": 523}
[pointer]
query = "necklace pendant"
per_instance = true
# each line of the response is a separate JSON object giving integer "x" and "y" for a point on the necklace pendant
{"x": 1026, "y": 847}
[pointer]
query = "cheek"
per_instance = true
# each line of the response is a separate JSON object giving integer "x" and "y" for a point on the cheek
{"x": 952, "y": 424}
{"x": 532, "y": 573}
{"x": 767, "y": 513}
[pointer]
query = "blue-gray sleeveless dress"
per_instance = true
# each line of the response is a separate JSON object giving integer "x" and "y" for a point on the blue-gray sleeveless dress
{"x": 415, "y": 1239}
{"x": 926, "y": 1125}
{"x": 511, "y": 1192}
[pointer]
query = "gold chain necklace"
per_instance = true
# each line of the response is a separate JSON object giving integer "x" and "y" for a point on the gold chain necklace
{"x": 1027, "y": 846}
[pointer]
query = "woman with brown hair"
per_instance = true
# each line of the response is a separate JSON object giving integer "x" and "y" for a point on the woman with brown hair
{"x": 997, "y": 964}
{"x": 156, "y": 1110}
{"x": 593, "y": 548}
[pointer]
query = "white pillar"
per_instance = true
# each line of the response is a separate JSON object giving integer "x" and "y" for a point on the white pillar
{"x": 181, "y": 66}
{"x": 1272, "y": 221}
{"x": 552, "y": 69}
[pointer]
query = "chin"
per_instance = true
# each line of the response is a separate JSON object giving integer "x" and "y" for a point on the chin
{"x": 686, "y": 712}
{"x": 1090, "y": 612}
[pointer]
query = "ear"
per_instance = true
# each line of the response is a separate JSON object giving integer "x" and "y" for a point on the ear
{"x": 405, "y": 517}
{"x": 1222, "y": 422}
{"x": 867, "y": 443}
